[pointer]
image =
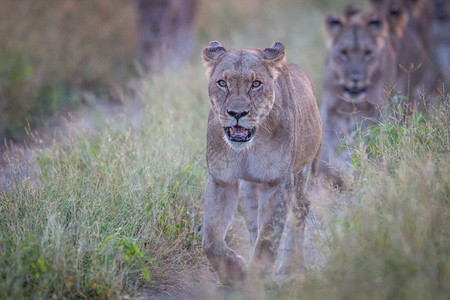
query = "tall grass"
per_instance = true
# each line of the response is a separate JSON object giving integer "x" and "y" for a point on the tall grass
{"x": 391, "y": 241}
{"x": 51, "y": 52}
{"x": 111, "y": 211}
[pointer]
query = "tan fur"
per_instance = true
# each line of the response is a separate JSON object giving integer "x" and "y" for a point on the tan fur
{"x": 269, "y": 173}
{"x": 440, "y": 40}
{"x": 362, "y": 59}
{"x": 419, "y": 15}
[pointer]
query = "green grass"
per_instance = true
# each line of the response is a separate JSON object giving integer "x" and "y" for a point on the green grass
{"x": 52, "y": 52}
{"x": 116, "y": 210}
{"x": 391, "y": 241}
{"x": 110, "y": 211}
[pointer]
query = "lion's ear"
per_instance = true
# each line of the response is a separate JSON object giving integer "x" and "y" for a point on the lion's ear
{"x": 275, "y": 52}
{"x": 333, "y": 25}
{"x": 377, "y": 3}
{"x": 349, "y": 11}
{"x": 211, "y": 55}
{"x": 275, "y": 56}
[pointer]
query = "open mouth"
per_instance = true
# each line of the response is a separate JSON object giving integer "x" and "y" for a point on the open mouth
{"x": 354, "y": 92}
{"x": 239, "y": 134}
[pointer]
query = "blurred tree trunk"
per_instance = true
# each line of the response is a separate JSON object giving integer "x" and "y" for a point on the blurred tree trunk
{"x": 165, "y": 31}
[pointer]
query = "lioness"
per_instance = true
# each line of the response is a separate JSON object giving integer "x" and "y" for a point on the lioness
{"x": 440, "y": 39}
{"x": 418, "y": 19}
{"x": 361, "y": 62}
{"x": 414, "y": 16}
{"x": 263, "y": 141}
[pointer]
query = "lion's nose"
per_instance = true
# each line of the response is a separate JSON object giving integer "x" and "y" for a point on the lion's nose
{"x": 355, "y": 77}
{"x": 237, "y": 115}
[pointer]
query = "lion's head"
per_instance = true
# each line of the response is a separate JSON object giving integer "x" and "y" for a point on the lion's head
{"x": 241, "y": 88}
{"x": 417, "y": 8}
{"x": 356, "y": 52}
{"x": 416, "y": 14}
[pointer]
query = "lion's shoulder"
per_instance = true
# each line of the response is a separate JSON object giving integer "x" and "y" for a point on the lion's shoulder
{"x": 297, "y": 73}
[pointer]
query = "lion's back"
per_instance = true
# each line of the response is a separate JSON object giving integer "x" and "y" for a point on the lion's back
{"x": 308, "y": 131}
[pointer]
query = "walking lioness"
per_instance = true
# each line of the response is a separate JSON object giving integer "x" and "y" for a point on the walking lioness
{"x": 361, "y": 63}
{"x": 263, "y": 141}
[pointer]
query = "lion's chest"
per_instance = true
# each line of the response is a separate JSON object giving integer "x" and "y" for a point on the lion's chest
{"x": 266, "y": 164}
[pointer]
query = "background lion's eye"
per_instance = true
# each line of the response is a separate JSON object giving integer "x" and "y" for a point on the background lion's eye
{"x": 222, "y": 83}
{"x": 256, "y": 84}
{"x": 367, "y": 54}
{"x": 344, "y": 54}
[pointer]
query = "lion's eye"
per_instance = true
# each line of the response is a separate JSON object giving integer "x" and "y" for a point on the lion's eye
{"x": 367, "y": 54}
{"x": 344, "y": 54}
{"x": 256, "y": 84}
{"x": 222, "y": 83}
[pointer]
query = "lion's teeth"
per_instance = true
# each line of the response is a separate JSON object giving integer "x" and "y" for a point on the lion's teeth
{"x": 231, "y": 131}
{"x": 245, "y": 133}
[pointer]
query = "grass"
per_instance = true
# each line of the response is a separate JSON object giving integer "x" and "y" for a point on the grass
{"x": 110, "y": 211}
{"x": 392, "y": 240}
{"x": 50, "y": 56}
{"x": 113, "y": 207}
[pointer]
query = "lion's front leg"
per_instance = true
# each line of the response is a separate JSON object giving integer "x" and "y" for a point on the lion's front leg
{"x": 272, "y": 213}
{"x": 336, "y": 158}
{"x": 291, "y": 249}
{"x": 220, "y": 206}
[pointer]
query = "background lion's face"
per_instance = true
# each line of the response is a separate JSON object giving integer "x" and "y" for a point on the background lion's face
{"x": 241, "y": 92}
{"x": 355, "y": 54}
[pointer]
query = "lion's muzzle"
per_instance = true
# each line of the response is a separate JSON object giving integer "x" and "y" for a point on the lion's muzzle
{"x": 354, "y": 93}
{"x": 239, "y": 134}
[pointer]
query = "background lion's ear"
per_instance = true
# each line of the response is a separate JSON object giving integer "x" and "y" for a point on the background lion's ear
{"x": 349, "y": 11}
{"x": 333, "y": 25}
{"x": 211, "y": 55}
{"x": 378, "y": 4}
